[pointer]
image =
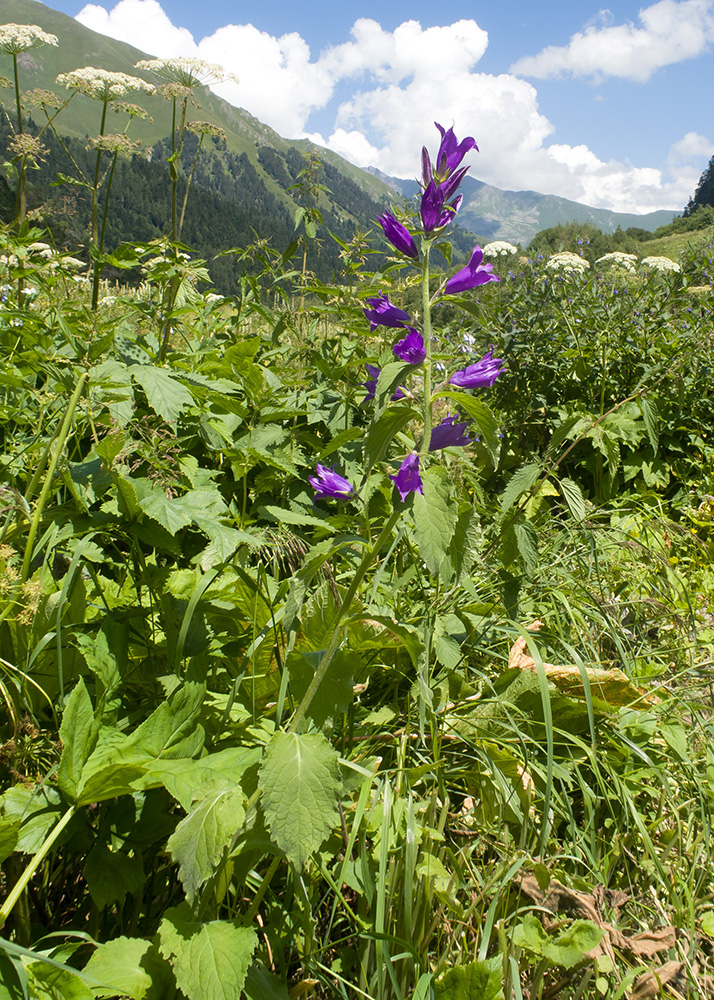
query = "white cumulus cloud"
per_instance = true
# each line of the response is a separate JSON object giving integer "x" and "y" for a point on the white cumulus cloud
{"x": 670, "y": 31}
{"x": 402, "y": 81}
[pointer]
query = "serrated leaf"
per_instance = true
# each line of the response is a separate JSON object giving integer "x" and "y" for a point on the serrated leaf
{"x": 299, "y": 781}
{"x": 78, "y": 732}
{"x": 573, "y": 496}
{"x": 474, "y": 981}
{"x": 123, "y": 966}
{"x": 301, "y": 518}
{"x": 521, "y": 480}
{"x": 209, "y": 960}
{"x": 527, "y": 543}
{"x": 165, "y": 395}
{"x": 651, "y": 419}
{"x": 199, "y": 840}
{"x": 37, "y": 808}
{"x": 382, "y": 431}
{"x": 184, "y": 777}
{"x": 435, "y": 517}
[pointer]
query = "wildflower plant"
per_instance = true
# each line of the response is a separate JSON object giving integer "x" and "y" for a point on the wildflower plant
{"x": 424, "y": 494}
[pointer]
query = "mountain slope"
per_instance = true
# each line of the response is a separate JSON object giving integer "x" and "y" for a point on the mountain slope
{"x": 518, "y": 215}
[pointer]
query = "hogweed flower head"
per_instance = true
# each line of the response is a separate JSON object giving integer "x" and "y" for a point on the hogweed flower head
{"x": 499, "y": 248}
{"x": 408, "y": 479}
{"x": 328, "y": 483}
{"x": 569, "y": 262}
{"x": 16, "y": 38}
{"x": 662, "y": 264}
{"x": 411, "y": 348}
{"x": 103, "y": 84}
{"x": 475, "y": 273}
{"x": 187, "y": 71}
{"x": 480, "y": 375}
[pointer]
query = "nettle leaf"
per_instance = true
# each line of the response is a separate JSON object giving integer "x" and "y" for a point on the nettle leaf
{"x": 573, "y": 496}
{"x": 129, "y": 967}
{"x": 209, "y": 960}
{"x": 79, "y": 731}
{"x": 475, "y": 981}
{"x": 165, "y": 395}
{"x": 650, "y": 415}
{"x": 521, "y": 481}
{"x": 300, "y": 781}
{"x": 199, "y": 840}
{"x": 435, "y": 517}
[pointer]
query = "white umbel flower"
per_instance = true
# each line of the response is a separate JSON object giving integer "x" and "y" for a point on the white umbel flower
{"x": 103, "y": 84}
{"x": 568, "y": 262}
{"x": 499, "y": 248}
{"x": 627, "y": 261}
{"x": 187, "y": 71}
{"x": 660, "y": 264}
{"x": 16, "y": 38}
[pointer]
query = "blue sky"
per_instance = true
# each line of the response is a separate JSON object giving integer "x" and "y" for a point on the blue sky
{"x": 610, "y": 107}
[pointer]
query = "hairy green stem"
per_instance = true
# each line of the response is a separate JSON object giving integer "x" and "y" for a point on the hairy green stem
{"x": 37, "y": 859}
{"x": 426, "y": 323}
{"x": 334, "y": 642}
{"x": 47, "y": 485}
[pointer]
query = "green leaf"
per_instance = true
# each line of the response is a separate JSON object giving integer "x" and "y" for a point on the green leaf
{"x": 111, "y": 875}
{"x": 475, "y": 981}
{"x": 527, "y": 543}
{"x": 483, "y": 417}
{"x": 122, "y": 967}
{"x": 570, "y": 947}
{"x": 209, "y": 960}
{"x": 183, "y": 778}
{"x": 9, "y": 833}
{"x": 78, "y": 733}
{"x": 301, "y": 518}
{"x": 391, "y": 376}
{"x": 334, "y": 695}
{"x": 11, "y": 985}
{"x": 651, "y": 419}
{"x": 37, "y": 808}
{"x": 382, "y": 431}
{"x": 263, "y": 985}
{"x": 521, "y": 481}
{"x": 435, "y": 517}
{"x": 50, "y": 983}
{"x": 573, "y": 496}
{"x": 199, "y": 840}
{"x": 299, "y": 781}
{"x": 165, "y": 395}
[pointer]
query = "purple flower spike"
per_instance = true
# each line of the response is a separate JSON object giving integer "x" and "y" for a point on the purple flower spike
{"x": 398, "y": 235}
{"x": 411, "y": 348}
{"x": 408, "y": 480}
{"x": 371, "y": 383}
{"x": 384, "y": 313}
{"x": 327, "y": 483}
{"x": 449, "y": 434}
{"x": 479, "y": 375}
{"x": 475, "y": 273}
{"x": 451, "y": 151}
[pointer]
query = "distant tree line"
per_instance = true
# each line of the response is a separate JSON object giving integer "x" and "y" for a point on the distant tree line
{"x": 704, "y": 195}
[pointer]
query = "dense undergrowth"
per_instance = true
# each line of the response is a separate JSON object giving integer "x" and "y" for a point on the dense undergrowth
{"x": 430, "y": 719}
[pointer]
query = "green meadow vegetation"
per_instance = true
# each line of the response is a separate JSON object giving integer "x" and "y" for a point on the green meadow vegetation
{"x": 356, "y": 638}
